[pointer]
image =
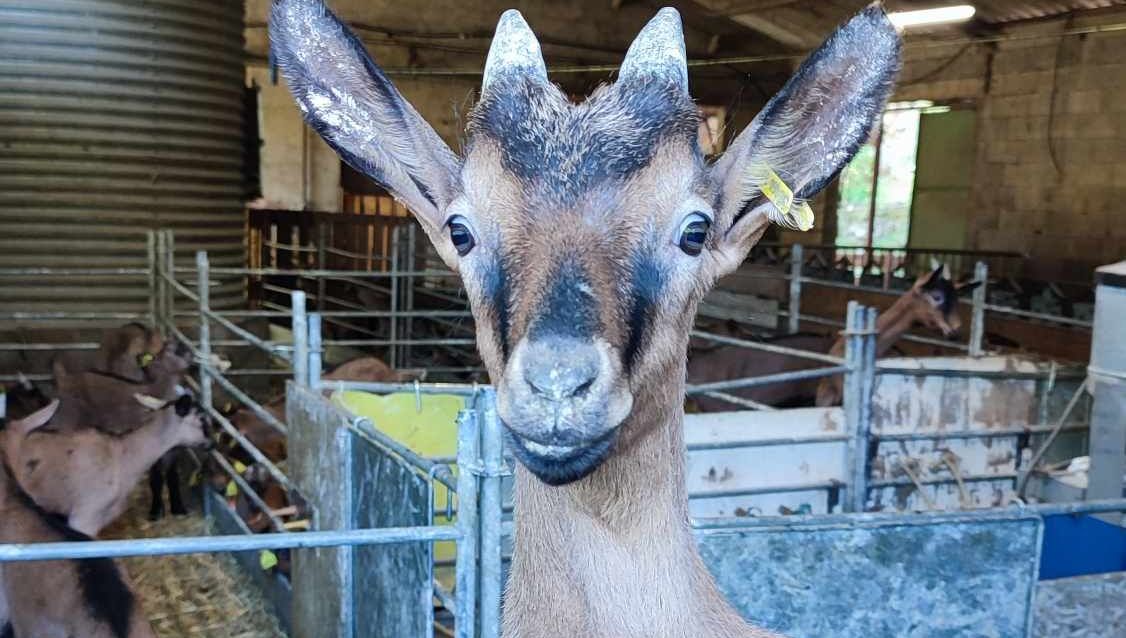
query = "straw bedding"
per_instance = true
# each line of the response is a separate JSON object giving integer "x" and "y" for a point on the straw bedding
{"x": 195, "y": 595}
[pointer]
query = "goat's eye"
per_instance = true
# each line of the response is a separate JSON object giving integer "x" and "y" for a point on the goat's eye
{"x": 461, "y": 236}
{"x": 693, "y": 232}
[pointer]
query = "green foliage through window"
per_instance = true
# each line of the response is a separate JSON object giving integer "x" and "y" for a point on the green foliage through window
{"x": 894, "y": 187}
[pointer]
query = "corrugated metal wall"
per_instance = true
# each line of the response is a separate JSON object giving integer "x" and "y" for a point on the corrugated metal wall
{"x": 116, "y": 117}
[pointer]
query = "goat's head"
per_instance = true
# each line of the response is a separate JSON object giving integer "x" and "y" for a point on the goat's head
{"x": 935, "y": 301}
{"x": 183, "y": 417}
{"x": 585, "y": 234}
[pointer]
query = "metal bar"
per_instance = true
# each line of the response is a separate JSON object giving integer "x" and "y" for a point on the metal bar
{"x": 468, "y": 440}
{"x": 389, "y": 342}
{"x": 851, "y": 403}
{"x": 316, "y": 351}
{"x": 245, "y": 399}
{"x": 331, "y": 274}
{"x": 865, "y": 384}
{"x": 1038, "y": 315}
{"x": 204, "y": 293}
{"x": 796, "y": 262}
{"x": 253, "y": 451}
{"x": 278, "y": 524}
{"x": 781, "y": 377}
{"x": 492, "y": 453}
{"x": 753, "y": 491}
{"x": 271, "y": 348}
{"x": 74, "y": 272}
{"x": 980, "y": 374}
{"x": 739, "y": 401}
{"x": 150, "y": 281}
{"x": 77, "y": 550}
{"x": 180, "y": 288}
{"x": 977, "y": 321}
{"x": 48, "y": 346}
{"x": 989, "y": 433}
{"x": 359, "y": 314}
{"x": 90, "y": 316}
{"x": 392, "y": 354}
{"x": 976, "y": 478}
{"x": 778, "y": 441}
{"x": 300, "y": 329}
{"x": 322, "y": 240}
{"x": 363, "y": 427}
{"x": 464, "y": 389}
{"x": 768, "y": 347}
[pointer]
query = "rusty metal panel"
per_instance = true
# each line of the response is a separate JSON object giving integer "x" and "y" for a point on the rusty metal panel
{"x": 881, "y": 576}
{"x": 117, "y": 117}
{"x": 320, "y": 465}
{"x": 953, "y": 402}
{"x": 1081, "y": 607}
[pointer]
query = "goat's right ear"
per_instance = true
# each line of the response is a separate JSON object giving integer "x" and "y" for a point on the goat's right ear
{"x": 148, "y": 401}
{"x": 356, "y": 109}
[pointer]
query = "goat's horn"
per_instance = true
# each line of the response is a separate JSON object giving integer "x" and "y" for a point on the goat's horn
{"x": 148, "y": 401}
{"x": 658, "y": 52}
{"x": 515, "y": 49}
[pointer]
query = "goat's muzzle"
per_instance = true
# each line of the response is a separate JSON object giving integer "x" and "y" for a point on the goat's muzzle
{"x": 561, "y": 401}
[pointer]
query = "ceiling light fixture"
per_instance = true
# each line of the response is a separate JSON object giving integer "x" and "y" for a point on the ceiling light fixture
{"x": 940, "y": 15}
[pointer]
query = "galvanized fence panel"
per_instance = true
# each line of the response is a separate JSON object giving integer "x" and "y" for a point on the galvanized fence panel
{"x": 320, "y": 465}
{"x": 898, "y": 576}
{"x": 392, "y": 591}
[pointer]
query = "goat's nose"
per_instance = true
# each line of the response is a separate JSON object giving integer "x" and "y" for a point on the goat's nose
{"x": 560, "y": 368}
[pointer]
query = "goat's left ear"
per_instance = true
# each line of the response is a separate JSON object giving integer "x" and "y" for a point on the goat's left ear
{"x": 348, "y": 99}
{"x": 967, "y": 287}
{"x": 807, "y": 133}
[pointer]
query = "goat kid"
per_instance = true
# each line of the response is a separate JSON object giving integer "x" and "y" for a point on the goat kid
{"x": 932, "y": 302}
{"x": 89, "y": 598}
{"x": 86, "y": 474}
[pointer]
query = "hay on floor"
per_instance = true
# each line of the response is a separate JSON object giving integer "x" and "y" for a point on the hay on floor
{"x": 193, "y": 595}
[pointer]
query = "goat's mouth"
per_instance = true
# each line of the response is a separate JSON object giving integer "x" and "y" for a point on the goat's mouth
{"x": 561, "y": 464}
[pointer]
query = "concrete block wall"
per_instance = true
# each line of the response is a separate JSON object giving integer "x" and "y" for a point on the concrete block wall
{"x": 1050, "y": 166}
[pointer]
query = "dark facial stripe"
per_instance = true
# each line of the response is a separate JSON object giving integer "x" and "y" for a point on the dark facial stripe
{"x": 647, "y": 281}
{"x": 568, "y": 309}
{"x": 7, "y": 631}
{"x": 496, "y": 289}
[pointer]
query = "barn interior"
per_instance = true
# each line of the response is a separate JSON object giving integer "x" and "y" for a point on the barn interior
{"x": 937, "y": 361}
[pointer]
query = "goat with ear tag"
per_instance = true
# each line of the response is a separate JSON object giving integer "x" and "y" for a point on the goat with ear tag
{"x": 585, "y": 235}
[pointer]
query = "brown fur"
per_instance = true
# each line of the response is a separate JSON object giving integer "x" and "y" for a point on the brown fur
{"x": 121, "y": 352}
{"x": 85, "y": 474}
{"x": 44, "y": 599}
{"x": 582, "y": 293}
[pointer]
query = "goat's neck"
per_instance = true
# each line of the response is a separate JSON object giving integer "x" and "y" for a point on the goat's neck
{"x": 894, "y": 322}
{"x": 612, "y": 555}
{"x": 141, "y": 448}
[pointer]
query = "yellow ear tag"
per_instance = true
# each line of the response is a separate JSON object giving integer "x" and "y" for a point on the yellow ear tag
{"x": 803, "y": 216}
{"x": 267, "y": 559}
{"x": 146, "y": 358}
{"x": 239, "y": 467}
{"x": 194, "y": 480}
{"x": 232, "y": 489}
{"x": 782, "y": 196}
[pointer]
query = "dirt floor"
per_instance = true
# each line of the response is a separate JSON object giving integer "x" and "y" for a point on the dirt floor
{"x": 196, "y": 595}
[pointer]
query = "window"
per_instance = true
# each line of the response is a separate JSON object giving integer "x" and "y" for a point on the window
{"x": 877, "y": 186}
